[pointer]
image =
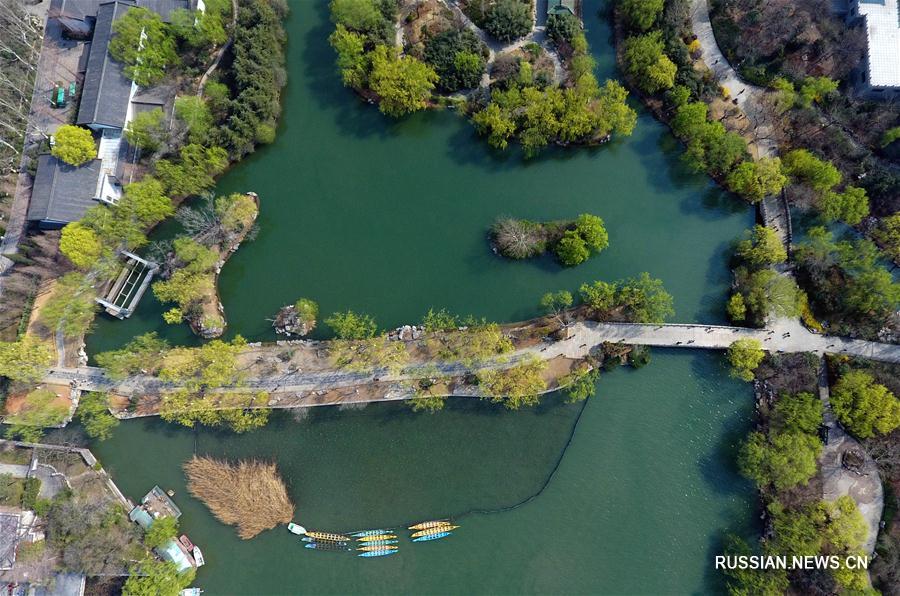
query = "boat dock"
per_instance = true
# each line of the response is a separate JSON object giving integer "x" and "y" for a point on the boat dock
{"x": 129, "y": 286}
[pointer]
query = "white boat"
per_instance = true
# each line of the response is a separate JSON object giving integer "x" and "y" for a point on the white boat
{"x": 191, "y": 592}
{"x": 296, "y": 529}
{"x": 198, "y": 557}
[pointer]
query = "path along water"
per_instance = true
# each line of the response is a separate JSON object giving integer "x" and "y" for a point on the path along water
{"x": 391, "y": 218}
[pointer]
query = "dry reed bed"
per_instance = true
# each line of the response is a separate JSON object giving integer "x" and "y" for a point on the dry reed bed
{"x": 247, "y": 494}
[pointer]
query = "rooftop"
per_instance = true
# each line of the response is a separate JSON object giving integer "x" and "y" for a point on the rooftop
{"x": 882, "y": 21}
{"x": 106, "y": 90}
{"x": 62, "y": 193}
{"x": 9, "y": 538}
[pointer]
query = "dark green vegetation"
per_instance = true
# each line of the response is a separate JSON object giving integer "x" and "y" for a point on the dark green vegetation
{"x": 637, "y": 300}
{"x": 573, "y": 242}
{"x": 458, "y": 58}
{"x": 508, "y": 20}
{"x": 781, "y": 458}
{"x": 848, "y": 286}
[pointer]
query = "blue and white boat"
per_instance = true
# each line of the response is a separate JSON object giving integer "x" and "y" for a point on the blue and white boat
{"x": 432, "y": 536}
{"x": 371, "y": 533}
{"x": 328, "y": 546}
{"x": 377, "y": 553}
{"x": 379, "y": 542}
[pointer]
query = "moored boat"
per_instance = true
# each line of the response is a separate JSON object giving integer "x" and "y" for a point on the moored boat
{"x": 431, "y": 531}
{"x": 378, "y": 543}
{"x": 377, "y": 553}
{"x": 331, "y": 546}
{"x": 370, "y": 533}
{"x": 328, "y": 536}
{"x": 186, "y": 542}
{"x": 432, "y": 537}
{"x": 376, "y": 537}
{"x": 430, "y": 524}
{"x": 198, "y": 556}
{"x": 368, "y": 548}
{"x": 296, "y": 529}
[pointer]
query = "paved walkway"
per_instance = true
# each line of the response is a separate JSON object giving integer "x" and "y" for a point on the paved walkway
{"x": 786, "y": 335}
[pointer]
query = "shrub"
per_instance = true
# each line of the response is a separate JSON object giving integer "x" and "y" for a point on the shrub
{"x": 457, "y": 58}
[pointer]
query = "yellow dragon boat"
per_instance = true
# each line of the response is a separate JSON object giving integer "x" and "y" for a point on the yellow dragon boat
{"x": 328, "y": 536}
{"x": 435, "y": 530}
{"x": 370, "y": 549}
{"x": 430, "y": 524}
{"x": 376, "y": 537}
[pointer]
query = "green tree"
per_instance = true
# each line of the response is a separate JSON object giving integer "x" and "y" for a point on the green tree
{"x": 571, "y": 249}
{"x": 580, "y": 384}
{"x": 402, "y": 82}
{"x": 865, "y": 407}
{"x": 25, "y": 360}
{"x": 194, "y": 172}
{"x": 161, "y": 531}
{"x": 644, "y": 300}
{"x": 762, "y": 248}
{"x": 144, "y": 44}
{"x": 744, "y": 582}
{"x": 556, "y": 304}
{"x": 93, "y": 413}
{"x": 804, "y": 167}
{"x": 73, "y": 145}
{"x": 798, "y": 413}
{"x": 816, "y": 89}
{"x": 514, "y": 387}
{"x": 307, "y": 311}
{"x": 351, "y": 325}
{"x": 766, "y": 293}
{"x": 147, "y": 130}
{"x": 888, "y": 235}
{"x": 40, "y": 409}
{"x": 785, "y": 94}
{"x": 157, "y": 578}
{"x": 194, "y": 112}
{"x": 641, "y": 14}
{"x": 508, "y": 19}
{"x": 81, "y": 245}
{"x": 736, "y": 308}
{"x": 850, "y": 206}
{"x": 755, "y": 180}
{"x": 352, "y": 60}
{"x": 744, "y": 355}
{"x": 890, "y": 135}
{"x": 783, "y": 460}
{"x": 214, "y": 364}
{"x": 359, "y": 15}
{"x": 646, "y": 61}
{"x": 592, "y": 231}
{"x": 144, "y": 203}
{"x": 498, "y": 126}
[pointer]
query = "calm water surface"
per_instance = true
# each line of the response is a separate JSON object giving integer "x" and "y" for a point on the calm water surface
{"x": 391, "y": 218}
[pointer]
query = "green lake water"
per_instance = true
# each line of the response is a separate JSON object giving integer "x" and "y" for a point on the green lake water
{"x": 390, "y": 218}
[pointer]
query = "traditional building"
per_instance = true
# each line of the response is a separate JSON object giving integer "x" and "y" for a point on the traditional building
{"x": 879, "y": 76}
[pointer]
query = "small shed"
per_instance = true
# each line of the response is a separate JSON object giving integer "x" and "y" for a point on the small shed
{"x": 62, "y": 193}
{"x": 141, "y": 517}
{"x": 172, "y": 551}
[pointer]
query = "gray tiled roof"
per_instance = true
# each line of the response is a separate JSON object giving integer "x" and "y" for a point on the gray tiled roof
{"x": 76, "y": 9}
{"x": 62, "y": 193}
{"x": 106, "y": 89}
{"x": 164, "y": 8}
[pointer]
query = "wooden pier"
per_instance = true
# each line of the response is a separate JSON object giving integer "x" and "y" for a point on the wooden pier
{"x": 130, "y": 285}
